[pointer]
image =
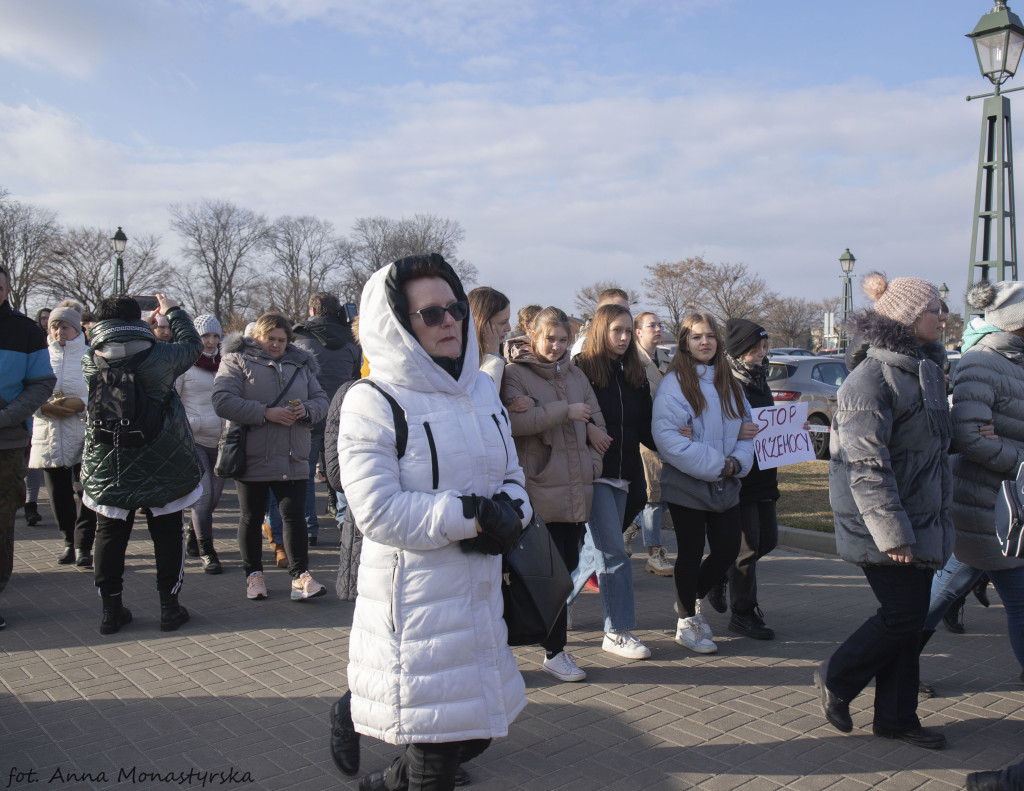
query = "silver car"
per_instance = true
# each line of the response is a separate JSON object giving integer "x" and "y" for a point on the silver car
{"x": 815, "y": 380}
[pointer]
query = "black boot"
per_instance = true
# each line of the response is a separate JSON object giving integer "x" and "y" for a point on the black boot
{"x": 114, "y": 615}
{"x": 32, "y": 515}
{"x": 751, "y": 624}
{"x": 716, "y": 597}
{"x": 172, "y": 614}
{"x": 208, "y": 555}
{"x": 191, "y": 544}
{"x": 67, "y": 557}
{"x": 980, "y": 590}
{"x": 954, "y": 617}
{"x": 84, "y": 559}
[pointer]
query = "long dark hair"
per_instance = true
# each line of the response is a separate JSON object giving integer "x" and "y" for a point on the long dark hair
{"x": 730, "y": 393}
{"x": 484, "y": 303}
{"x": 596, "y": 356}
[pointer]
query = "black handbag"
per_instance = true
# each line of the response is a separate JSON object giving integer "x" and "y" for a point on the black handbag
{"x": 231, "y": 445}
{"x": 535, "y": 585}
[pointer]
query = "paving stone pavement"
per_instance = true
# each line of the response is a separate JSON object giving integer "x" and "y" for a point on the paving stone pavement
{"x": 246, "y": 687}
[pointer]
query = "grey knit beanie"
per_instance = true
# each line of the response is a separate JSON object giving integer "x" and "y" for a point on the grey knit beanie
{"x": 68, "y": 316}
{"x": 901, "y": 299}
{"x": 206, "y": 324}
{"x": 1002, "y": 302}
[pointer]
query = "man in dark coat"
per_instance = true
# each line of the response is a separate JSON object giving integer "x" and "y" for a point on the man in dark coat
{"x": 26, "y": 381}
{"x": 161, "y": 476}
{"x": 327, "y": 337}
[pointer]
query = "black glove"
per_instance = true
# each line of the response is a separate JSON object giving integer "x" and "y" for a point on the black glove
{"x": 499, "y": 522}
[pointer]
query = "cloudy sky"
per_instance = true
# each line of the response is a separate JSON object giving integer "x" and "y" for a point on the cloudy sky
{"x": 574, "y": 141}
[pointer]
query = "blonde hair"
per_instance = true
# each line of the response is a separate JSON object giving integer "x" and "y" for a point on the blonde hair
{"x": 272, "y": 321}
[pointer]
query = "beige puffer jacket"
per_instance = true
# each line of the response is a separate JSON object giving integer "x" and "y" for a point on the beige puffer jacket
{"x": 560, "y": 465}
{"x": 652, "y": 461}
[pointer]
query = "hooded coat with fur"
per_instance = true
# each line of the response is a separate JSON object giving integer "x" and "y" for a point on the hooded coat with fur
{"x": 428, "y": 653}
{"x": 247, "y": 381}
{"x": 58, "y": 442}
{"x": 890, "y": 482}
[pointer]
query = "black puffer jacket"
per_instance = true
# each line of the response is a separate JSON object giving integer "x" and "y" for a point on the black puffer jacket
{"x": 331, "y": 341}
{"x": 627, "y": 416}
{"x": 167, "y": 468}
{"x": 758, "y": 484}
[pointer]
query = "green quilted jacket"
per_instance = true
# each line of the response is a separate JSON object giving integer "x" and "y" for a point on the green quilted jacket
{"x": 167, "y": 468}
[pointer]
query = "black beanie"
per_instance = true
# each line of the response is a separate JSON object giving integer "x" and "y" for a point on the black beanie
{"x": 742, "y": 335}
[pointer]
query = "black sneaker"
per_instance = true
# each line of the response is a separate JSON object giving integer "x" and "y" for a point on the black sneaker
{"x": 344, "y": 739}
{"x": 32, "y": 515}
{"x": 311, "y": 540}
{"x": 84, "y": 559}
{"x": 191, "y": 544}
{"x": 716, "y": 597}
{"x": 67, "y": 557}
{"x": 750, "y": 624}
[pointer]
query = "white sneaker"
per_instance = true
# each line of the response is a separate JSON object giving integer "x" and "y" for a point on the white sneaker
{"x": 689, "y": 635}
{"x": 563, "y": 667}
{"x": 627, "y": 538}
{"x": 305, "y": 587}
{"x": 626, "y": 645}
{"x": 658, "y": 562}
{"x": 255, "y": 587}
{"x": 702, "y": 621}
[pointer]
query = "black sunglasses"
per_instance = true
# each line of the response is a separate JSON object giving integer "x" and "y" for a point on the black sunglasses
{"x": 434, "y": 315}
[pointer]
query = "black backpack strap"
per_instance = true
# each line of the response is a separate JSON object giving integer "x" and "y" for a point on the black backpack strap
{"x": 397, "y": 414}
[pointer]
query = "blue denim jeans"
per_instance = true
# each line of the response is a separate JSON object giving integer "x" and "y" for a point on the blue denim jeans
{"x": 1009, "y": 584}
{"x": 948, "y": 585}
{"x": 316, "y": 442}
{"x": 650, "y": 524}
{"x": 342, "y": 501}
{"x": 604, "y": 552}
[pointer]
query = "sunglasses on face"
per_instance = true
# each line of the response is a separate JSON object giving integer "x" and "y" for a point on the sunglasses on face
{"x": 434, "y": 315}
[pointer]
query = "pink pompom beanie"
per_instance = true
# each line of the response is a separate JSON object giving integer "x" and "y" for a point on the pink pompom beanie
{"x": 901, "y": 299}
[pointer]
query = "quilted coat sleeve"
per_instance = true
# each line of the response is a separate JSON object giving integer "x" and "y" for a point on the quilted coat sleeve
{"x": 184, "y": 350}
{"x": 228, "y": 390}
{"x": 671, "y": 412}
{"x": 371, "y": 477}
{"x": 864, "y": 422}
{"x": 974, "y": 401}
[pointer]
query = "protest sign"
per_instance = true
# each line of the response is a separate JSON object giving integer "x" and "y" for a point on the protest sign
{"x": 781, "y": 438}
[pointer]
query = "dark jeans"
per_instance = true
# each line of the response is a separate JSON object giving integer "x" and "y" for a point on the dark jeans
{"x": 431, "y": 767}
{"x": 886, "y": 647}
{"x": 168, "y": 547}
{"x": 252, "y": 503}
{"x": 636, "y": 499}
{"x": 567, "y": 537}
{"x": 759, "y": 535}
{"x": 695, "y": 576}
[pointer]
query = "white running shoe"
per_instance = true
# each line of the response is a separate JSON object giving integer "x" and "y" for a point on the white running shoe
{"x": 563, "y": 667}
{"x": 255, "y": 587}
{"x": 658, "y": 562}
{"x": 627, "y": 538}
{"x": 700, "y": 619}
{"x": 305, "y": 587}
{"x": 626, "y": 645}
{"x": 689, "y": 635}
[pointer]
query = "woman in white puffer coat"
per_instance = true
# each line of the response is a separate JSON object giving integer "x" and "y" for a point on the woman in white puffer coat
{"x": 429, "y": 664}
{"x": 58, "y": 435}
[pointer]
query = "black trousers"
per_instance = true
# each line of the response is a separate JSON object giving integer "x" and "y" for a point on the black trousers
{"x": 252, "y": 503}
{"x": 759, "y": 535}
{"x": 112, "y": 541}
{"x": 885, "y": 647}
{"x": 431, "y": 767}
{"x": 76, "y": 522}
{"x": 694, "y": 574}
{"x": 567, "y": 537}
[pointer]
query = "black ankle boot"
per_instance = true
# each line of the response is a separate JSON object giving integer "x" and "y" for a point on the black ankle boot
{"x": 172, "y": 614}
{"x": 32, "y": 515}
{"x": 67, "y": 557}
{"x": 208, "y": 555}
{"x": 191, "y": 545}
{"x": 114, "y": 615}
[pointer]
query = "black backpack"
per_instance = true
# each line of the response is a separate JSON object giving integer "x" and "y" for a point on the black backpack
{"x": 119, "y": 411}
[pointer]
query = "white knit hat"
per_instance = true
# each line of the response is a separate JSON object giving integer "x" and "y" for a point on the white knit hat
{"x": 1002, "y": 302}
{"x": 206, "y": 324}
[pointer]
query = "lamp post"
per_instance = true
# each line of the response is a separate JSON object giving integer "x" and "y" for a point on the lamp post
{"x": 118, "y": 242}
{"x": 944, "y": 296}
{"x": 846, "y": 261}
{"x": 998, "y": 42}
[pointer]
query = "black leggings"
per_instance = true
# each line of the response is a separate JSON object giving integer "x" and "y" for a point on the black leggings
{"x": 252, "y": 503}
{"x": 694, "y": 574}
{"x": 567, "y": 537}
{"x": 431, "y": 767}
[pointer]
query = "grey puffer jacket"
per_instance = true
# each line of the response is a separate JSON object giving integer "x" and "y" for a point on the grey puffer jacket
{"x": 988, "y": 386}
{"x": 889, "y": 479}
{"x": 247, "y": 381}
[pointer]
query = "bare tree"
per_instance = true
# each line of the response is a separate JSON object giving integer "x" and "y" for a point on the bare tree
{"x": 26, "y": 232}
{"x": 673, "y": 287}
{"x": 586, "y": 298}
{"x": 377, "y": 241}
{"x": 80, "y": 265}
{"x": 789, "y": 320}
{"x": 221, "y": 245}
{"x": 305, "y": 257}
{"x": 730, "y": 291}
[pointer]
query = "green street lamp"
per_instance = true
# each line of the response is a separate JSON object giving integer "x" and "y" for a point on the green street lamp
{"x": 998, "y": 40}
{"x": 944, "y": 296}
{"x": 118, "y": 242}
{"x": 846, "y": 261}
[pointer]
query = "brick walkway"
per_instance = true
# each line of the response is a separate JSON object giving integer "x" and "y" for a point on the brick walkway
{"x": 247, "y": 686}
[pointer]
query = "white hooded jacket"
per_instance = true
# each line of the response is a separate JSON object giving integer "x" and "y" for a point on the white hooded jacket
{"x": 58, "y": 442}
{"x": 428, "y": 653}
{"x": 195, "y": 388}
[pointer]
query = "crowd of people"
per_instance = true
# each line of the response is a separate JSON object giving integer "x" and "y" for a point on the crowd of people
{"x": 471, "y": 428}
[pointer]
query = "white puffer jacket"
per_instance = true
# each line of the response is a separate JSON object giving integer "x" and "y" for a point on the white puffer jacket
{"x": 58, "y": 442}
{"x": 195, "y": 388}
{"x": 428, "y": 659}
